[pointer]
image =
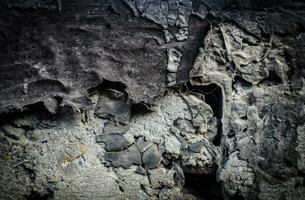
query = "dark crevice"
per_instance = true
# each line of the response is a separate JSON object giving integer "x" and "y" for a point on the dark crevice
{"x": 290, "y": 73}
{"x": 36, "y": 196}
{"x": 225, "y": 152}
{"x": 237, "y": 196}
{"x": 242, "y": 81}
{"x": 139, "y": 109}
{"x": 112, "y": 10}
{"x": 217, "y": 139}
{"x": 106, "y": 84}
{"x": 121, "y": 7}
{"x": 198, "y": 170}
{"x": 35, "y": 108}
{"x": 272, "y": 79}
{"x": 202, "y": 186}
{"x": 231, "y": 134}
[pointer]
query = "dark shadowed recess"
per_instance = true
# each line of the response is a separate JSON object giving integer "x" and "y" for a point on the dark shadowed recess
{"x": 272, "y": 79}
{"x": 39, "y": 110}
{"x": 140, "y": 109}
{"x": 237, "y": 197}
{"x": 37, "y": 196}
{"x": 257, "y": 4}
{"x": 106, "y": 84}
{"x": 203, "y": 186}
{"x": 29, "y": 109}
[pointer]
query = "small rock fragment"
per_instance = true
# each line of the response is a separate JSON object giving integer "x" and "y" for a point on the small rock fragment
{"x": 174, "y": 58}
{"x": 172, "y": 146}
{"x": 131, "y": 156}
{"x": 301, "y": 147}
{"x": 182, "y": 34}
{"x": 168, "y": 36}
{"x": 171, "y": 79}
{"x": 51, "y": 105}
{"x": 161, "y": 177}
{"x": 239, "y": 109}
{"x": 179, "y": 176}
{"x": 113, "y": 141}
{"x": 111, "y": 127}
{"x": 12, "y": 132}
{"x": 172, "y": 193}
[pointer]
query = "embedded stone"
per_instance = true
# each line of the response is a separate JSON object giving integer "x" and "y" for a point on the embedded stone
{"x": 111, "y": 127}
{"x": 12, "y": 132}
{"x": 113, "y": 141}
{"x": 173, "y": 62}
{"x": 143, "y": 145}
{"x": 113, "y": 104}
{"x": 141, "y": 170}
{"x": 131, "y": 156}
{"x": 151, "y": 157}
{"x": 51, "y": 105}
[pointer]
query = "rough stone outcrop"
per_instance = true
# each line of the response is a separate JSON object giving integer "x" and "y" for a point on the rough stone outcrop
{"x": 152, "y": 99}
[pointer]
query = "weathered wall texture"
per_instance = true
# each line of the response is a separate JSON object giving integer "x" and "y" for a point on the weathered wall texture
{"x": 152, "y": 99}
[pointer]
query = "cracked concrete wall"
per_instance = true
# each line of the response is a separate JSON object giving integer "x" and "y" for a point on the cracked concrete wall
{"x": 152, "y": 99}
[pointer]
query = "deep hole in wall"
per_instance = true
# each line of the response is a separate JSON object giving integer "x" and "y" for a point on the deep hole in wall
{"x": 202, "y": 186}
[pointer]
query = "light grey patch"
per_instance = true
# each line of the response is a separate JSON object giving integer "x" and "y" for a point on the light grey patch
{"x": 174, "y": 58}
{"x": 51, "y": 105}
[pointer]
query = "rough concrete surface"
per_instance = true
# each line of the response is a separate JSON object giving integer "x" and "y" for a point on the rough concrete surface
{"x": 152, "y": 99}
